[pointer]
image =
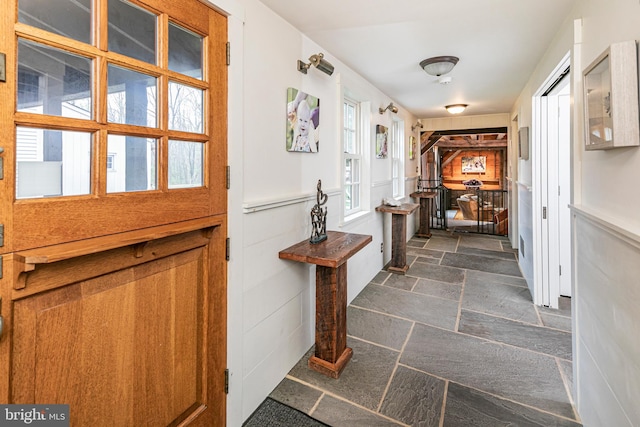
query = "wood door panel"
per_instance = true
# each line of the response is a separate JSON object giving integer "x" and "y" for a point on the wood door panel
{"x": 59, "y": 265}
{"x": 112, "y": 215}
{"x": 134, "y": 354}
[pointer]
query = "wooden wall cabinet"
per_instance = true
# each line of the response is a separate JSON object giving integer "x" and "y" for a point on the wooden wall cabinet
{"x": 611, "y": 98}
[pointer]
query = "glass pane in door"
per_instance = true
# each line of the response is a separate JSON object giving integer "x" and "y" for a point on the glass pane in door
{"x": 52, "y": 81}
{"x": 185, "y": 164}
{"x": 185, "y": 108}
{"x": 185, "y": 51}
{"x": 68, "y": 18}
{"x": 52, "y": 163}
{"x": 132, "y": 97}
{"x": 132, "y": 31}
{"x": 131, "y": 164}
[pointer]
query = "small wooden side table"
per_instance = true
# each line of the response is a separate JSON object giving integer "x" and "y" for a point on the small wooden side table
{"x": 425, "y": 211}
{"x": 398, "y": 263}
{"x": 330, "y": 257}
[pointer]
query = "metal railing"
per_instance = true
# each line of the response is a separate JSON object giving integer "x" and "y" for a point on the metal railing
{"x": 438, "y": 214}
{"x": 492, "y": 212}
{"x": 491, "y": 215}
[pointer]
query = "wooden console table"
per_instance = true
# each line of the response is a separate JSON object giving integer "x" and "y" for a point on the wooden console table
{"x": 425, "y": 211}
{"x": 398, "y": 263}
{"x": 330, "y": 257}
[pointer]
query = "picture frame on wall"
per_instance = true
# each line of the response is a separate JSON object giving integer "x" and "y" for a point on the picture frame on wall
{"x": 412, "y": 147}
{"x": 303, "y": 122}
{"x": 523, "y": 143}
{"x": 474, "y": 164}
{"x": 382, "y": 141}
{"x": 611, "y": 98}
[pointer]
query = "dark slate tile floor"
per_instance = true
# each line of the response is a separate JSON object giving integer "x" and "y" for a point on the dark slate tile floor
{"x": 455, "y": 342}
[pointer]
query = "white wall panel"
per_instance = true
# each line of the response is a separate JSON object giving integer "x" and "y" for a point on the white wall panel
{"x": 269, "y": 334}
{"x": 272, "y": 368}
{"x": 607, "y": 272}
{"x": 607, "y": 411}
{"x": 274, "y": 292}
{"x": 524, "y": 240}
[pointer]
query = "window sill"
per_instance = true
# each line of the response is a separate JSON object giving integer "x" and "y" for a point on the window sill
{"x": 353, "y": 218}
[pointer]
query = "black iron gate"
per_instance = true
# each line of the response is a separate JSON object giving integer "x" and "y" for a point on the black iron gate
{"x": 474, "y": 211}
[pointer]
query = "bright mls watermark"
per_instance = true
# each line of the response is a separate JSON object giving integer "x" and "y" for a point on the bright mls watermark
{"x": 34, "y": 415}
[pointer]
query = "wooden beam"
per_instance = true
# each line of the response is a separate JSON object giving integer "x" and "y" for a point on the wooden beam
{"x": 471, "y": 131}
{"x": 475, "y": 145}
{"x": 430, "y": 143}
{"x": 450, "y": 158}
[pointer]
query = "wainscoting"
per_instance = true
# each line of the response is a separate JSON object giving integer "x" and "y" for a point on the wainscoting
{"x": 607, "y": 319}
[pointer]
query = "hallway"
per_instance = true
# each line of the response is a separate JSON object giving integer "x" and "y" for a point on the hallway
{"x": 454, "y": 342}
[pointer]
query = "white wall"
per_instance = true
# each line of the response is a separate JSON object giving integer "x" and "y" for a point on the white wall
{"x": 272, "y": 301}
{"x": 605, "y": 227}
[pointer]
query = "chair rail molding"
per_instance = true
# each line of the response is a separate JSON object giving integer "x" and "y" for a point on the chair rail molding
{"x": 624, "y": 231}
{"x": 262, "y": 205}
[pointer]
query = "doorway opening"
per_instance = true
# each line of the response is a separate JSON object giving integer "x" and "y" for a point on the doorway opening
{"x": 467, "y": 170}
{"x": 552, "y": 183}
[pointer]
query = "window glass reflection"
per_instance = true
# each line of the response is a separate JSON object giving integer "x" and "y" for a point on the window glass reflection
{"x": 185, "y": 51}
{"x": 68, "y": 18}
{"x": 131, "y": 164}
{"x": 132, "y": 31}
{"x": 53, "y": 82}
{"x": 185, "y": 108}
{"x": 132, "y": 97}
{"x": 185, "y": 164}
{"x": 52, "y": 163}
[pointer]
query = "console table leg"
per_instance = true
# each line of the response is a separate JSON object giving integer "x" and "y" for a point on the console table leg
{"x": 398, "y": 244}
{"x": 425, "y": 218}
{"x": 331, "y": 352}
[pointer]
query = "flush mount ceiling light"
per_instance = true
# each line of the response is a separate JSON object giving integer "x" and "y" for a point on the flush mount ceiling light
{"x": 317, "y": 61}
{"x": 390, "y": 107}
{"x": 456, "y": 108}
{"x": 439, "y": 65}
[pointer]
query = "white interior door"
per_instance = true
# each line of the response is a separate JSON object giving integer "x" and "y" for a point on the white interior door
{"x": 551, "y": 179}
{"x": 564, "y": 188}
{"x": 558, "y": 250}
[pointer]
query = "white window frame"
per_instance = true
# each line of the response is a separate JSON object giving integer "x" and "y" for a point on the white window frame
{"x": 354, "y": 154}
{"x": 397, "y": 158}
{"x": 111, "y": 162}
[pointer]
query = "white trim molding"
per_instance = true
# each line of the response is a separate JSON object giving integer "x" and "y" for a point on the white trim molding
{"x": 627, "y": 232}
{"x": 262, "y": 205}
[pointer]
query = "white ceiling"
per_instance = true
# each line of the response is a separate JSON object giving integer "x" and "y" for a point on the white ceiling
{"x": 499, "y": 42}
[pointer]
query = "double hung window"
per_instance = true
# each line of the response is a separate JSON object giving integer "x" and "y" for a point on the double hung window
{"x": 397, "y": 161}
{"x": 352, "y": 158}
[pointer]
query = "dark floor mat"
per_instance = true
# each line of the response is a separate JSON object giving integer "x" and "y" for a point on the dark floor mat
{"x": 272, "y": 413}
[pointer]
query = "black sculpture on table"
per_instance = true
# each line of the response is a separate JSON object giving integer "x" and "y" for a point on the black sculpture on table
{"x": 319, "y": 217}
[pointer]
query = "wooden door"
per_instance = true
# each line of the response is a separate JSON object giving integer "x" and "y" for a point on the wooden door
{"x": 113, "y": 206}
